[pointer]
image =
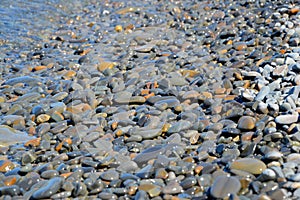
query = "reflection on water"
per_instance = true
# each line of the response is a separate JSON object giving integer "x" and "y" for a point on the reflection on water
{"x": 29, "y": 19}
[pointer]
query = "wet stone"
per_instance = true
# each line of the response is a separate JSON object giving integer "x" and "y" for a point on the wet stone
{"x": 49, "y": 174}
{"x": 188, "y": 182}
{"x": 48, "y": 188}
{"x": 172, "y": 188}
{"x": 150, "y": 103}
{"x": 24, "y": 79}
{"x": 107, "y": 196}
{"x": 147, "y": 133}
{"x": 6, "y": 165}
{"x": 145, "y": 172}
{"x": 223, "y": 186}
{"x": 273, "y": 155}
{"x": 179, "y": 126}
{"x": 110, "y": 175}
{"x": 152, "y": 189}
{"x": 148, "y": 154}
{"x": 13, "y": 190}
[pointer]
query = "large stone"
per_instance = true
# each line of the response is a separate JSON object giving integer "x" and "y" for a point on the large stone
{"x": 246, "y": 123}
{"x": 287, "y": 119}
{"x": 251, "y": 165}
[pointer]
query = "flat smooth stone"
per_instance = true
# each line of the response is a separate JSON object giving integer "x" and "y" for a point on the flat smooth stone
{"x": 224, "y": 185}
{"x": 286, "y": 119}
{"x": 251, "y": 165}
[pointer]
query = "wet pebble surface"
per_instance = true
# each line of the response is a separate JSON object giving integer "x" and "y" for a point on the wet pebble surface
{"x": 149, "y": 100}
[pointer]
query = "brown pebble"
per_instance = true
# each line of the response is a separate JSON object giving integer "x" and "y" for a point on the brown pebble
{"x": 161, "y": 173}
{"x": 80, "y": 108}
{"x": 189, "y": 73}
{"x": 118, "y": 28}
{"x": 149, "y": 95}
{"x": 132, "y": 190}
{"x": 145, "y": 91}
{"x": 246, "y": 123}
{"x": 38, "y": 68}
{"x": 34, "y": 142}
{"x": 114, "y": 125}
{"x": 67, "y": 174}
{"x": 250, "y": 165}
{"x": 42, "y": 118}
{"x": 247, "y": 136}
{"x": 10, "y": 181}
{"x": 106, "y": 65}
{"x": 6, "y": 165}
{"x": 166, "y": 127}
{"x": 220, "y": 90}
{"x": 69, "y": 74}
{"x": 194, "y": 138}
{"x": 198, "y": 169}
{"x": 294, "y": 11}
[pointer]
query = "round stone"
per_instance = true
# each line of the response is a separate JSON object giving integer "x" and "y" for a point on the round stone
{"x": 246, "y": 123}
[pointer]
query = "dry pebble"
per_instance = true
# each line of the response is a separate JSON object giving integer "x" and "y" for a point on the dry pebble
{"x": 250, "y": 165}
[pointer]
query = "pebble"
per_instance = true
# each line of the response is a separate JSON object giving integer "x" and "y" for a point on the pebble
{"x": 246, "y": 123}
{"x": 184, "y": 101}
{"x": 48, "y": 189}
{"x": 110, "y": 175}
{"x": 224, "y": 186}
{"x": 250, "y": 165}
{"x": 262, "y": 93}
{"x": 286, "y": 119}
{"x": 152, "y": 189}
{"x": 172, "y": 188}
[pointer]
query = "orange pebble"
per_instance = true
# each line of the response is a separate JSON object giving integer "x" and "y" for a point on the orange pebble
{"x": 38, "y": 68}
{"x": 155, "y": 84}
{"x": 31, "y": 130}
{"x": 68, "y": 140}
{"x": 294, "y": 11}
{"x": 10, "y": 181}
{"x": 58, "y": 147}
{"x": 119, "y": 132}
{"x": 66, "y": 175}
{"x": 149, "y": 95}
{"x": 198, "y": 169}
{"x": 34, "y": 142}
{"x": 6, "y": 166}
{"x": 282, "y": 51}
{"x": 145, "y": 91}
{"x": 114, "y": 125}
{"x": 188, "y": 159}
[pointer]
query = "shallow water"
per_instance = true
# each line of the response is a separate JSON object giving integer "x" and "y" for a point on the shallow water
{"x": 32, "y": 20}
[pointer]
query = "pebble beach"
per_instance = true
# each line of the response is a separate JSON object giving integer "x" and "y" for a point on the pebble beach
{"x": 153, "y": 99}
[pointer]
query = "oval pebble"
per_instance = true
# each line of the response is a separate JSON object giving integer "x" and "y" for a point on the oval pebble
{"x": 49, "y": 188}
{"x": 224, "y": 185}
{"x": 110, "y": 175}
{"x": 251, "y": 165}
{"x": 286, "y": 119}
{"x": 246, "y": 123}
